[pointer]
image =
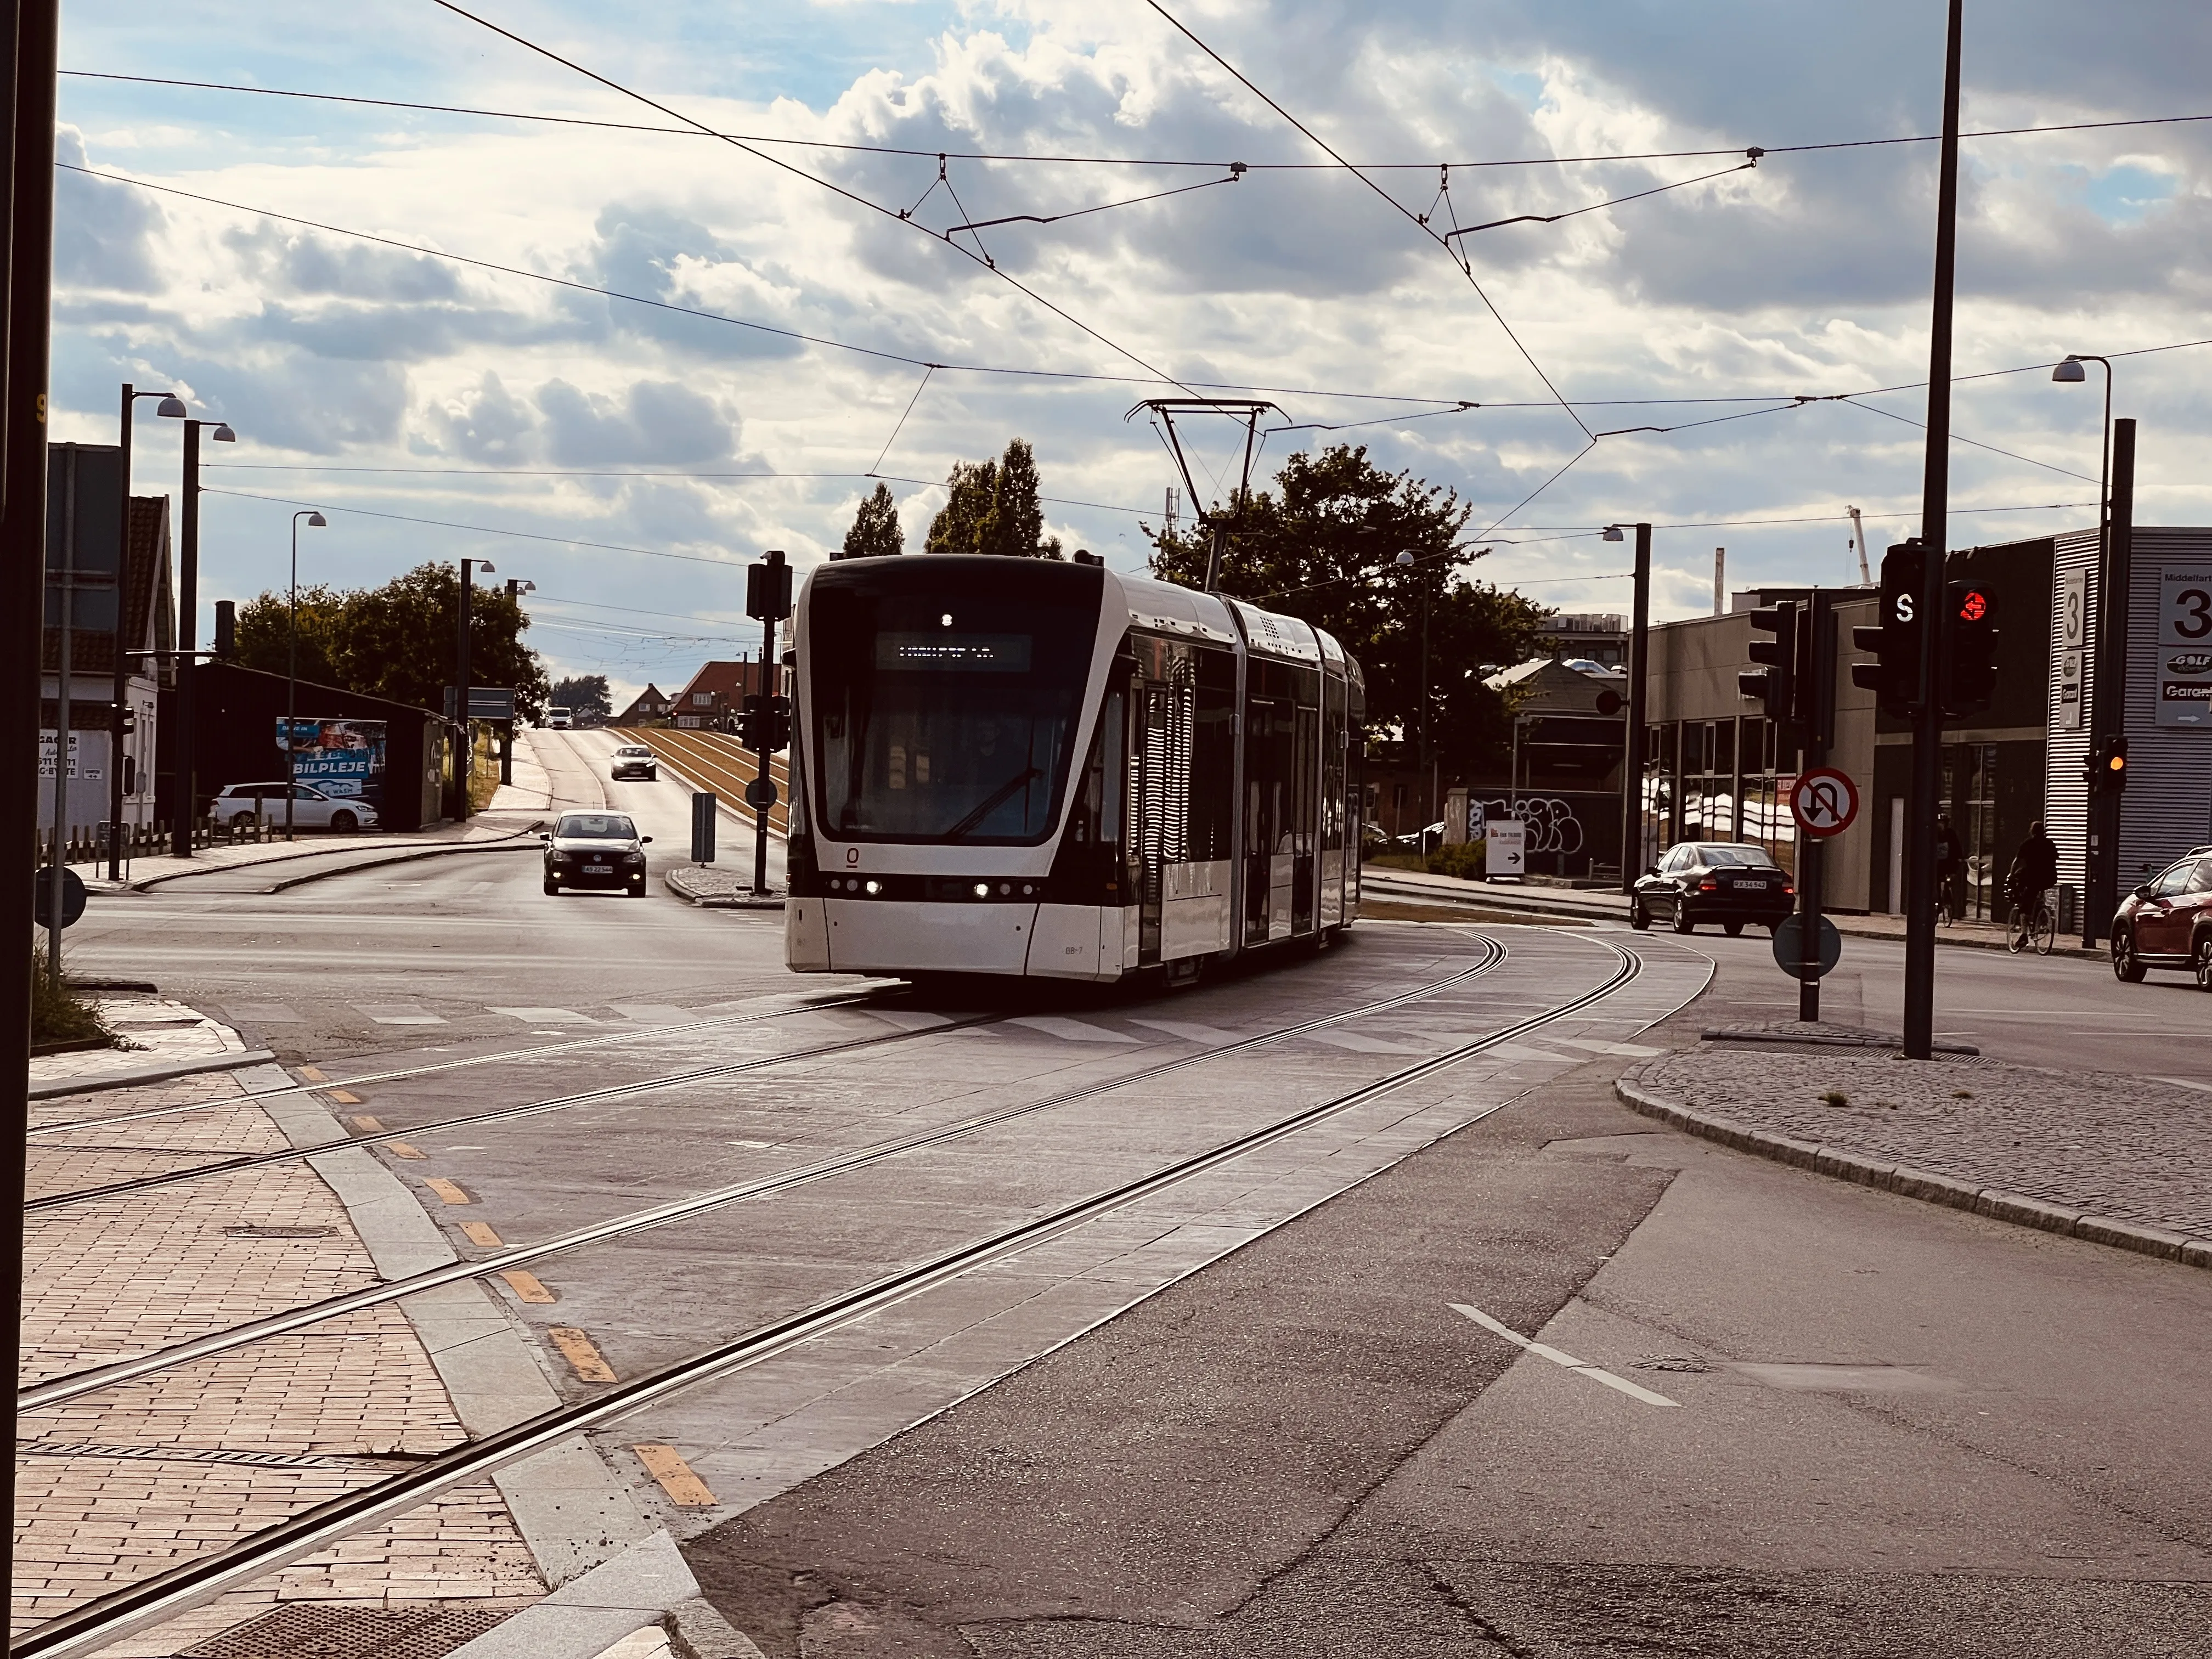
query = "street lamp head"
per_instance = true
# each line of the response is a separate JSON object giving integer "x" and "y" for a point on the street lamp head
{"x": 1611, "y": 533}
{"x": 222, "y": 433}
{"x": 172, "y": 407}
{"x": 486, "y": 567}
{"x": 2069, "y": 373}
{"x": 317, "y": 522}
{"x": 1406, "y": 560}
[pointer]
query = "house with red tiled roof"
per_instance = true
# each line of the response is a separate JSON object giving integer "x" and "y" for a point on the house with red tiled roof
{"x": 650, "y": 707}
{"x": 711, "y": 700}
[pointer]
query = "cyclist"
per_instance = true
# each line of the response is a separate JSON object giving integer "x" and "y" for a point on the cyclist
{"x": 1950, "y": 865}
{"x": 2034, "y": 870}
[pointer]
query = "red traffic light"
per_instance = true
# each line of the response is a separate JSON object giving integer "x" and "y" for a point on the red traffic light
{"x": 1974, "y": 605}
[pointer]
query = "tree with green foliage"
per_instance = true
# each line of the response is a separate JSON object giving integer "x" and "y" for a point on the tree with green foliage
{"x": 1323, "y": 546}
{"x": 397, "y": 641}
{"x": 875, "y": 533}
{"x": 994, "y": 507}
{"x": 584, "y": 696}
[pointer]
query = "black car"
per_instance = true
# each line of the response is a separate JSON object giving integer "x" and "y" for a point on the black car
{"x": 1724, "y": 881}
{"x": 595, "y": 849}
{"x": 635, "y": 760}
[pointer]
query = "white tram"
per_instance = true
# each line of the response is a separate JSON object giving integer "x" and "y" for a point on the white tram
{"x": 1022, "y": 767}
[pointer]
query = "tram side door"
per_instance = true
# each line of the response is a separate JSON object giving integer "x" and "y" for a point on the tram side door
{"x": 1159, "y": 796}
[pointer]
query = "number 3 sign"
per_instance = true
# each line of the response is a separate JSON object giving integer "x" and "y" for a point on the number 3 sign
{"x": 2184, "y": 646}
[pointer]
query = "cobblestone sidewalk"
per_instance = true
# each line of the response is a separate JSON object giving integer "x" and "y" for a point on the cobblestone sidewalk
{"x": 128, "y": 1481}
{"x": 2118, "y": 1159}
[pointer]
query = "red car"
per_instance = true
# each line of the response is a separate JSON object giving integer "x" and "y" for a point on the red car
{"x": 2168, "y": 922}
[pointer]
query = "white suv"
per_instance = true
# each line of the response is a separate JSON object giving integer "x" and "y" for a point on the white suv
{"x": 241, "y": 803}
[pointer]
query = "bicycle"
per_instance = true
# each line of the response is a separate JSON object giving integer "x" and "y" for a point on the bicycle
{"x": 2037, "y": 928}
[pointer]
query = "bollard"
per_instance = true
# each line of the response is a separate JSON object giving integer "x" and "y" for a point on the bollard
{"x": 702, "y": 827}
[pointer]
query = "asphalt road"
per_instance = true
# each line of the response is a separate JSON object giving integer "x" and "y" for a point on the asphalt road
{"x": 1881, "y": 1429}
{"x": 1250, "y": 1420}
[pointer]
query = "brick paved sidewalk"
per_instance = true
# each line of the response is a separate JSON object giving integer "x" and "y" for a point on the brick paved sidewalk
{"x": 130, "y": 1480}
{"x": 2081, "y": 1148}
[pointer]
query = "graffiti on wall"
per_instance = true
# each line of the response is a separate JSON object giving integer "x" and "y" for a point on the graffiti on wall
{"x": 1552, "y": 824}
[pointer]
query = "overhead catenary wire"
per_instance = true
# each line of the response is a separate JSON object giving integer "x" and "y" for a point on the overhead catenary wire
{"x": 1466, "y": 269}
{"x": 1450, "y": 404}
{"x": 1110, "y": 160}
{"x": 815, "y": 179}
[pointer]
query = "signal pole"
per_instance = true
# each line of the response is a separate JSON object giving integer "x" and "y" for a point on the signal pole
{"x": 1816, "y": 681}
{"x": 2108, "y": 708}
{"x": 1935, "y": 518}
{"x": 768, "y": 601}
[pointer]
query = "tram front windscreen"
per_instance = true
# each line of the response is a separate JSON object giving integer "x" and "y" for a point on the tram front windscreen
{"x": 946, "y": 695}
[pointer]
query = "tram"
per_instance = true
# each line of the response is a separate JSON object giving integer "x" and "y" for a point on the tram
{"x": 1027, "y": 768}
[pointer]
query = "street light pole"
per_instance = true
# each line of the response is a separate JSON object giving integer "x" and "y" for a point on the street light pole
{"x": 171, "y": 408}
{"x": 292, "y": 667}
{"x": 188, "y": 577}
{"x": 466, "y": 768}
{"x": 2067, "y": 374}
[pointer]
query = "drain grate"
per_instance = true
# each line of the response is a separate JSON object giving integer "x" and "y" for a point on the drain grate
{"x": 1669, "y": 1362}
{"x": 310, "y": 1632}
{"x": 279, "y": 1232}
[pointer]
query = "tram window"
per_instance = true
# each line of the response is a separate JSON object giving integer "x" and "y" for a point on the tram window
{"x": 947, "y": 701}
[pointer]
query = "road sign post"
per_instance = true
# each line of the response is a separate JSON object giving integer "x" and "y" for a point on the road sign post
{"x": 1822, "y": 799}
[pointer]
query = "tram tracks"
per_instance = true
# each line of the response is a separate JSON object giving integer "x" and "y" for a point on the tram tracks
{"x": 57, "y": 1390}
{"x": 105, "y": 1619}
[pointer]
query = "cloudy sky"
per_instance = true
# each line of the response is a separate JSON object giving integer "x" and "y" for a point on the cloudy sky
{"x": 519, "y": 413}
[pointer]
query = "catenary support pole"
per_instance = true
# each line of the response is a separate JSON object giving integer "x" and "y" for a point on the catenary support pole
{"x": 1935, "y": 518}
{"x": 2093, "y": 925}
{"x": 119, "y": 710}
{"x": 29, "y": 33}
{"x": 464, "y": 764}
{"x": 2109, "y": 710}
{"x": 66, "y": 606}
{"x": 1632, "y": 765}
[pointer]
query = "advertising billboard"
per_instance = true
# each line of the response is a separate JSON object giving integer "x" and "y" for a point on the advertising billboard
{"x": 2183, "y": 675}
{"x": 342, "y": 758}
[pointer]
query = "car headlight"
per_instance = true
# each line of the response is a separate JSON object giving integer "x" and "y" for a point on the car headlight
{"x": 634, "y": 858}
{"x": 558, "y": 857}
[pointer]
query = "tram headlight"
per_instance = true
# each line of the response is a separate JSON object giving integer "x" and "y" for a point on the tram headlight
{"x": 983, "y": 890}
{"x": 875, "y": 887}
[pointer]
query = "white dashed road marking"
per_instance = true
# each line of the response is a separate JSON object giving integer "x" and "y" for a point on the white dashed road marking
{"x": 1580, "y": 1367}
{"x": 546, "y": 1016}
{"x": 1072, "y": 1030}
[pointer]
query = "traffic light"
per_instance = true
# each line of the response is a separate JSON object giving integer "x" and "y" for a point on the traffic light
{"x": 774, "y": 729}
{"x": 749, "y": 722}
{"x": 1971, "y": 610}
{"x": 767, "y": 589}
{"x": 1894, "y": 677}
{"x": 2108, "y": 767}
{"x": 1775, "y": 685}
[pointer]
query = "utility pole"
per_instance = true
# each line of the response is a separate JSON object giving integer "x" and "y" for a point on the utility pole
{"x": 65, "y": 590}
{"x": 2109, "y": 695}
{"x": 1934, "y": 519}
{"x": 188, "y": 604}
{"x": 515, "y": 589}
{"x": 1632, "y": 765}
{"x": 29, "y": 35}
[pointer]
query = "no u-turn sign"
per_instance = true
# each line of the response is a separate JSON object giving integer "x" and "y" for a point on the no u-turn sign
{"x": 1824, "y": 801}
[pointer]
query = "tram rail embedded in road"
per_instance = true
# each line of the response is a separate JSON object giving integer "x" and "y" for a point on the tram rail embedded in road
{"x": 107, "y": 1618}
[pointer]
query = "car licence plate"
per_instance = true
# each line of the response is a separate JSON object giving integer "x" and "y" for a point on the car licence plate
{"x": 599, "y": 869}
{"x": 1759, "y": 884}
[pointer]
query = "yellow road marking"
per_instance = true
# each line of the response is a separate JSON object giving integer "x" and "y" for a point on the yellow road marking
{"x": 446, "y": 1189}
{"x": 368, "y": 1125}
{"x": 477, "y": 1232}
{"x": 314, "y": 1075}
{"x": 578, "y": 1350}
{"x": 401, "y": 1149}
{"x": 527, "y": 1286}
{"x": 675, "y": 1475}
{"x": 343, "y": 1097}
